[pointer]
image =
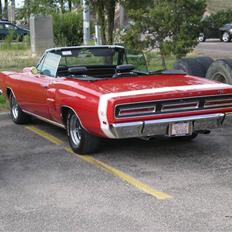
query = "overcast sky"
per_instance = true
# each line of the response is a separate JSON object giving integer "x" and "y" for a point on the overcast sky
{"x": 19, "y": 2}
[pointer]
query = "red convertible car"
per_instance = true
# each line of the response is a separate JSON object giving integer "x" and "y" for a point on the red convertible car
{"x": 95, "y": 92}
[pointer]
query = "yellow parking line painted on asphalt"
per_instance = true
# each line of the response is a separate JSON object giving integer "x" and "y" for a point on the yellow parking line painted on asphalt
{"x": 129, "y": 179}
{"x": 89, "y": 159}
{"x": 45, "y": 135}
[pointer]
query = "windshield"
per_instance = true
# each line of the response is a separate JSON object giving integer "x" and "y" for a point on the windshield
{"x": 91, "y": 56}
{"x": 91, "y": 63}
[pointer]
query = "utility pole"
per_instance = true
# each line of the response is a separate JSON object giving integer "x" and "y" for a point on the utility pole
{"x": 12, "y": 19}
{"x": 5, "y": 10}
{"x": 86, "y": 22}
{"x": 122, "y": 17}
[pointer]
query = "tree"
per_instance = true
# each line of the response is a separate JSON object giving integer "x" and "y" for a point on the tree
{"x": 62, "y": 6}
{"x": 173, "y": 27}
{"x": 0, "y": 9}
{"x": 5, "y": 10}
{"x": 46, "y": 7}
{"x": 136, "y": 4}
{"x": 218, "y": 19}
{"x": 67, "y": 25}
{"x": 105, "y": 13}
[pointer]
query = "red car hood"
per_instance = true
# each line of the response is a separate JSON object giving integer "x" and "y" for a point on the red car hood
{"x": 168, "y": 84}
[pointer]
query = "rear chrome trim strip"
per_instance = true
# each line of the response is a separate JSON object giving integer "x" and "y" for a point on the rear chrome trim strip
{"x": 44, "y": 119}
{"x": 151, "y": 128}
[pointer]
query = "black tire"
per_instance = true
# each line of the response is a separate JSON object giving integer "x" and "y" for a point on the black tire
{"x": 202, "y": 37}
{"x": 191, "y": 66}
{"x": 20, "y": 39}
{"x": 221, "y": 71}
{"x": 226, "y": 37}
{"x": 17, "y": 115}
{"x": 80, "y": 140}
{"x": 205, "y": 61}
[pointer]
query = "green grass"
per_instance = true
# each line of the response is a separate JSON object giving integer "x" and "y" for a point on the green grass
{"x": 3, "y": 104}
{"x": 14, "y": 59}
{"x": 154, "y": 61}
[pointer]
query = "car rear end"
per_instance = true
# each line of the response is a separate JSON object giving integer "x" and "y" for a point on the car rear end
{"x": 179, "y": 111}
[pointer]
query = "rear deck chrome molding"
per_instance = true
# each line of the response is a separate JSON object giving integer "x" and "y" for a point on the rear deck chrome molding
{"x": 44, "y": 119}
{"x": 160, "y": 127}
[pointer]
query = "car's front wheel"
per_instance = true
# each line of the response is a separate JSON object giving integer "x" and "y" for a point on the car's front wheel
{"x": 226, "y": 37}
{"x": 17, "y": 115}
{"x": 80, "y": 140}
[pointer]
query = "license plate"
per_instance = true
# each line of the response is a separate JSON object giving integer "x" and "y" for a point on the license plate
{"x": 180, "y": 129}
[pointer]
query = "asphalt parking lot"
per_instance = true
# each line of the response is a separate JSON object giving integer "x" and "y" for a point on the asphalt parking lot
{"x": 215, "y": 49}
{"x": 130, "y": 185}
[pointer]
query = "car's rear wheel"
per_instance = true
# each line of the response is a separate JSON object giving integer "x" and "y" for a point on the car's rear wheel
{"x": 226, "y": 37}
{"x": 17, "y": 115}
{"x": 80, "y": 140}
{"x": 201, "y": 37}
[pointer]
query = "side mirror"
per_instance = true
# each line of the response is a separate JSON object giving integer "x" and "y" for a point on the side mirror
{"x": 32, "y": 70}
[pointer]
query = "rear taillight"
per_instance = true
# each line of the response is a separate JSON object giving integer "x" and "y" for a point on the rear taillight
{"x": 181, "y": 106}
{"x": 136, "y": 111}
{"x": 218, "y": 103}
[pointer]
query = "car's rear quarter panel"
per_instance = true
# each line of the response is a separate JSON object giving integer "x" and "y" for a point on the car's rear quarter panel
{"x": 84, "y": 102}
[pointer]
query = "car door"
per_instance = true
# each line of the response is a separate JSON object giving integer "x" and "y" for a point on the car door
{"x": 3, "y": 31}
{"x": 10, "y": 29}
{"x": 36, "y": 88}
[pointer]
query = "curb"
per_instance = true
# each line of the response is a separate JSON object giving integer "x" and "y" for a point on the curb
{"x": 4, "y": 113}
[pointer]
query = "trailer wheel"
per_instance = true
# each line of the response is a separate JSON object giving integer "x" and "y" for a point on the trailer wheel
{"x": 191, "y": 66}
{"x": 205, "y": 61}
{"x": 221, "y": 71}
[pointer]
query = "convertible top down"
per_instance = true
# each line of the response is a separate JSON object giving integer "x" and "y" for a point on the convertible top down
{"x": 107, "y": 92}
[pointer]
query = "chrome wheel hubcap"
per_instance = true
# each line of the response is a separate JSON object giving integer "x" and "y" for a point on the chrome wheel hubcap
{"x": 15, "y": 108}
{"x": 225, "y": 37}
{"x": 75, "y": 130}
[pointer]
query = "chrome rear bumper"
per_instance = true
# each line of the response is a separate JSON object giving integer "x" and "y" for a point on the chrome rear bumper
{"x": 1, "y": 92}
{"x": 160, "y": 127}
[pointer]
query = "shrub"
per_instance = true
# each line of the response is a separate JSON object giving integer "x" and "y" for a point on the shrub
{"x": 218, "y": 19}
{"x": 68, "y": 29}
{"x": 173, "y": 27}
